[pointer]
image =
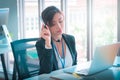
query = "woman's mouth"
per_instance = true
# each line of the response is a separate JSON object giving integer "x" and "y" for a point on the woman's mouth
{"x": 59, "y": 32}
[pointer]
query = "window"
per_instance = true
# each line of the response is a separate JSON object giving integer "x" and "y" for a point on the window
{"x": 31, "y": 23}
{"x": 56, "y": 3}
{"x": 77, "y": 25}
{"x": 104, "y": 22}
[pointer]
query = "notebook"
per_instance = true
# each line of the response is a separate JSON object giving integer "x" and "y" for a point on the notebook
{"x": 103, "y": 59}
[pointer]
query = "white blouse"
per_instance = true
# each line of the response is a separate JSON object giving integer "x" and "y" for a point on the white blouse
{"x": 67, "y": 62}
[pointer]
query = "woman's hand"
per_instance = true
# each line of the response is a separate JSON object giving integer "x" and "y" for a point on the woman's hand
{"x": 45, "y": 34}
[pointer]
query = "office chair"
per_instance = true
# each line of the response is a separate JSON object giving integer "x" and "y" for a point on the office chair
{"x": 26, "y": 62}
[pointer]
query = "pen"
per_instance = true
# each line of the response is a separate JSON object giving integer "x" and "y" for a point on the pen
{"x": 45, "y": 26}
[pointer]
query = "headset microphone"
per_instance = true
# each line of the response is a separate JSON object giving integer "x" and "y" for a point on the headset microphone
{"x": 58, "y": 40}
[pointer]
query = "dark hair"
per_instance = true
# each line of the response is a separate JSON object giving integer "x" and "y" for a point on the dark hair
{"x": 48, "y": 14}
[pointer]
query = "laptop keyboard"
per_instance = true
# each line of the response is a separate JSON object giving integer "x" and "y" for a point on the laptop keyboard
{"x": 83, "y": 71}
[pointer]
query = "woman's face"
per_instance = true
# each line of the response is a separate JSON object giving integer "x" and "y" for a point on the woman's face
{"x": 57, "y": 26}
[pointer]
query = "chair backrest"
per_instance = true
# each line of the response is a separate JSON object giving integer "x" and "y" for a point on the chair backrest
{"x": 25, "y": 57}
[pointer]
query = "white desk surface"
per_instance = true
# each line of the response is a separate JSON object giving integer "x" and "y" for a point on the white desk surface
{"x": 109, "y": 74}
{"x": 58, "y": 73}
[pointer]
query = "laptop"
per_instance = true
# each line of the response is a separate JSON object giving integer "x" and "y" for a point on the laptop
{"x": 103, "y": 59}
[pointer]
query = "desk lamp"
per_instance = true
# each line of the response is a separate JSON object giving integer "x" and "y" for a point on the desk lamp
{"x": 5, "y": 38}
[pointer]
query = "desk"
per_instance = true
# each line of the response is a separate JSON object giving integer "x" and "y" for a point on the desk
{"x": 4, "y": 50}
{"x": 109, "y": 74}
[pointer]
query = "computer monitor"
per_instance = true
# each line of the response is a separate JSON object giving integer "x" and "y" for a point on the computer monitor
{"x": 5, "y": 38}
{"x": 4, "y": 13}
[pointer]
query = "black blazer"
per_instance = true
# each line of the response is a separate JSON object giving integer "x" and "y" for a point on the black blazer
{"x": 48, "y": 61}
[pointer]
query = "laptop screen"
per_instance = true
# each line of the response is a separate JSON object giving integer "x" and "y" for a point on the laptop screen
{"x": 104, "y": 57}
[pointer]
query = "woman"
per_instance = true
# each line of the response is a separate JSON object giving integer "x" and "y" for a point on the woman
{"x": 56, "y": 50}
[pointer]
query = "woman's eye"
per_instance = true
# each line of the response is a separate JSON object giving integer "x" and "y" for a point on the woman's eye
{"x": 52, "y": 24}
{"x": 60, "y": 21}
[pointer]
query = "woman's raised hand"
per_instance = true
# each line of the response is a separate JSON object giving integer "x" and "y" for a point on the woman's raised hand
{"x": 45, "y": 34}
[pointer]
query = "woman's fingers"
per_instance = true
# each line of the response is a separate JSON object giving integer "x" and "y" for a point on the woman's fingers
{"x": 45, "y": 32}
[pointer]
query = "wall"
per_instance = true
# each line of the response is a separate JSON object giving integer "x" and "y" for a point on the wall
{"x": 12, "y": 21}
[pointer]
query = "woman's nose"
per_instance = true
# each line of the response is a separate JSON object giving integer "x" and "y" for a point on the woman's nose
{"x": 58, "y": 25}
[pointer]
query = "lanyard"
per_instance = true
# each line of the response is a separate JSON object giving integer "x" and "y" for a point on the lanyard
{"x": 62, "y": 59}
